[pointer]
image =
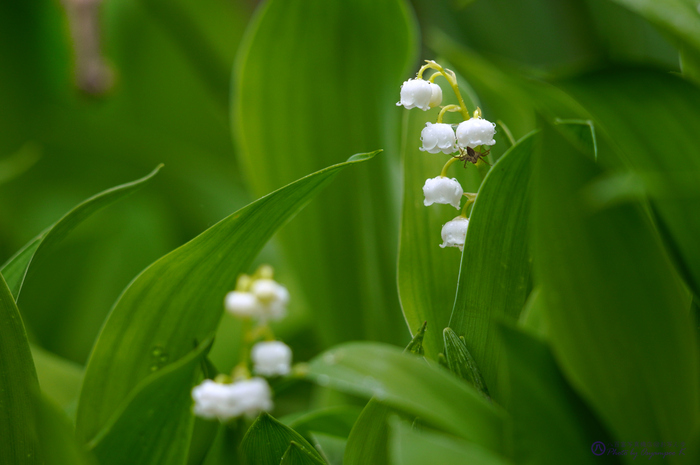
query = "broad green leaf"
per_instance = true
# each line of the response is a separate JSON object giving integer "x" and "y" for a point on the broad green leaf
{"x": 17, "y": 267}
{"x": 330, "y": 87}
{"x": 18, "y": 387}
{"x": 550, "y": 424}
{"x": 414, "y": 447}
{"x": 331, "y": 448}
{"x": 298, "y": 455}
{"x": 368, "y": 441}
{"x": 495, "y": 270}
{"x": 679, "y": 18}
{"x": 177, "y": 301}
{"x": 532, "y": 317}
{"x": 59, "y": 378}
{"x": 663, "y": 156}
{"x": 155, "y": 423}
{"x": 268, "y": 440}
{"x": 337, "y": 421}
{"x": 616, "y": 314}
{"x": 405, "y": 382}
{"x": 427, "y": 274}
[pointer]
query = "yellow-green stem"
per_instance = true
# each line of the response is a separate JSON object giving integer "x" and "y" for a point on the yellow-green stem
{"x": 443, "y": 173}
{"x": 445, "y": 109}
{"x": 451, "y": 79}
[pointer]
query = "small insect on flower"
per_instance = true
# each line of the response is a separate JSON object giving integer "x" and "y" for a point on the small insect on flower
{"x": 472, "y": 156}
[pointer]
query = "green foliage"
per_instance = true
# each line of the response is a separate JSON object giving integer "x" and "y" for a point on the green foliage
{"x": 495, "y": 270}
{"x": 16, "y": 268}
{"x": 269, "y": 442}
{"x": 18, "y": 387}
{"x": 299, "y": 103}
{"x": 407, "y": 383}
{"x": 185, "y": 289}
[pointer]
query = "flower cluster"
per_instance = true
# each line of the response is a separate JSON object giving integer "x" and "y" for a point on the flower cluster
{"x": 464, "y": 138}
{"x": 257, "y": 300}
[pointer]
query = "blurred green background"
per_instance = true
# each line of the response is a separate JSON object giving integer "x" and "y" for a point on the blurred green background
{"x": 174, "y": 99}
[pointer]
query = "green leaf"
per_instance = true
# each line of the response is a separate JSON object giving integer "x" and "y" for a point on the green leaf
{"x": 337, "y": 421}
{"x": 368, "y": 441}
{"x": 461, "y": 362}
{"x": 679, "y": 18}
{"x": 369, "y": 437}
{"x": 662, "y": 157}
{"x": 412, "y": 447}
{"x": 495, "y": 270}
{"x": 617, "y": 317}
{"x": 56, "y": 436}
{"x": 155, "y": 423}
{"x": 298, "y": 455}
{"x": 60, "y": 379}
{"x": 331, "y": 448}
{"x": 427, "y": 274}
{"x": 268, "y": 440}
{"x": 405, "y": 382}
{"x": 178, "y": 300}
{"x": 17, "y": 267}
{"x": 18, "y": 387}
{"x": 302, "y": 101}
{"x": 550, "y": 424}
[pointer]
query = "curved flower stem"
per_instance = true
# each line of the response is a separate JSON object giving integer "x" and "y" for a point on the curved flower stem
{"x": 443, "y": 173}
{"x": 470, "y": 200}
{"x": 451, "y": 79}
{"x": 445, "y": 109}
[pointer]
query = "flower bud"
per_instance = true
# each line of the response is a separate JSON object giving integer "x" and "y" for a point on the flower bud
{"x": 454, "y": 233}
{"x": 417, "y": 93}
{"x": 442, "y": 190}
{"x": 226, "y": 401}
{"x": 437, "y": 138}
{"x": 271, "y": 358}
{"x": 243, "y": 304}
{"x": 474, "y": 132}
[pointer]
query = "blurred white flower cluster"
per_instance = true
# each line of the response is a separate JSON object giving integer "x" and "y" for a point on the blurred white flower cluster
{"x": 469, "y": 135}
{"x": 257, "y": 300}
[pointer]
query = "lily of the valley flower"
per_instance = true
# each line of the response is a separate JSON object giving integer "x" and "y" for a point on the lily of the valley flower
{"x": 474, "y": 132}
{"x": 438, "y": 138}
{"x": 266, "y": 300}
{"x": 226, "y": 401}
{"x": 442, "y": 190}
{"x": 271, "y": 358}
{"x": 454, "y": 233}
{"x": 418, "y": 93}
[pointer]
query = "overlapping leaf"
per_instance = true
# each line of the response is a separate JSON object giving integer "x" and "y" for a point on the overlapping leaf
{"x": 495, "y": 270}
{"x": 407, "y": 383}
{"x": 617, "y": 316}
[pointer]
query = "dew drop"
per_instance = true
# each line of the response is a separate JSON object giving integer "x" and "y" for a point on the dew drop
{"x": 157, "y": 351}
{"x": 154, "y": 367}
{"x": 329, "y": 358}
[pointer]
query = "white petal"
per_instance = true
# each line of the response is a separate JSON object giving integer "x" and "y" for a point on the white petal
{"x": 454, "y": 233}
{"x": 271, "y": 358}
{"x": 475, "y": 132}
{"x": 442, "y": 190}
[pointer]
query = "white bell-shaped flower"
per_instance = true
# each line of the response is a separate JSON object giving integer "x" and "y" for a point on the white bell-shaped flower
{"x": 271, "y": 358}
{"x": 474, "y": 132}
{"x": 243, "y": 305}
{"x": 454, "y": 233}
{"x": 273, "y": 296}
{"x": 442, "y": 190}
{"x": 435, "y": 95}
{"x": 226, "y": 401}
{"x": 438, "y": 138}
{"x": 417, "y": 93}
